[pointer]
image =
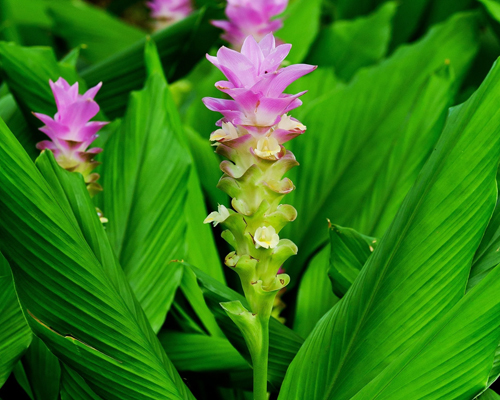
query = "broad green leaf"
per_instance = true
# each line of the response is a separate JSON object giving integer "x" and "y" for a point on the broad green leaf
{"x": 350, "y": 45}
{"x": 100, "y": 33}
{"x": 493, "y": 8}
{"x": 314, "y": 295}
{"x": 64, "y": 269}
{"x": 192, "y": 352}
{"x": 349, "y": 252}
{"x": 367, "y": 141}
{"x": 453, "y": 359}
{"x": 74, "y": 387}
{"x": 284, "y": 343}
{"x": 304, "y": 14}
{"x": 15, "y": 335}
{"x": 144, "y": 175}
{"x": 417, "y": 274}
{"x": 180, "y": 47}
{"x": 42, "y": 371}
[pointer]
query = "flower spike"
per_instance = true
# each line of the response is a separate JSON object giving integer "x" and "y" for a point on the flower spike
{"x": 71, "y": 132}
{"x": 254, "y": 127}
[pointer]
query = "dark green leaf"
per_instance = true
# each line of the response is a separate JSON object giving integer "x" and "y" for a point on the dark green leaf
{"x": 15, "y": 335}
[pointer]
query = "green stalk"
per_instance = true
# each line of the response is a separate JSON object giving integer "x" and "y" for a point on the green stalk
{"x": 260, "y": 361}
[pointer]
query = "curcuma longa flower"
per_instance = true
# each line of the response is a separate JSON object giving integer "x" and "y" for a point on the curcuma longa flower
{"x": 71, "y": 132}
{"x": 250, "y": 18}
{"x": 254, "y": 127}
{"x": 166, "y": 12}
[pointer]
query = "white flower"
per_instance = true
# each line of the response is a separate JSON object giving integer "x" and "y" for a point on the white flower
{"x": 217, "y": 216}
{"x": 288, "y": 124}
{"x": 268, "y": 148}
{"x": 227, "y": 132}
{"x": 266, "y": 237}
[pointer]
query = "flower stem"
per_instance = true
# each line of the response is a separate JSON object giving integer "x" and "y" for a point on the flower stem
{"x": 260, "y": 360}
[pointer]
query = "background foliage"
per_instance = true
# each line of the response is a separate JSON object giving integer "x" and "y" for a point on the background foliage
{"x": 395, "y": 296}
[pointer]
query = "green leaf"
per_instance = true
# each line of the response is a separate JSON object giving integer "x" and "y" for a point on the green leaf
{"x": 42, "y": 371}
{"x": 284, "y": 343}
{"x": 64, "y": 269}
{"x": 15, "y": 335}
{"x": 192, "y": 352}
{"x": 74, "y": 387}
{"x": 349, "y": 252}
{"x": 180, "y": 47}
{"x": 350, "y": 45}
{"x": 304, "y": 14}
{"x": 314, "y": 296}
{"x": 100, "y": 34}
{"x": 144, "y": 175}
{"x": 415, "y": 276}
{"x": 367, "y": 141}
{"x": 489, "y": 395}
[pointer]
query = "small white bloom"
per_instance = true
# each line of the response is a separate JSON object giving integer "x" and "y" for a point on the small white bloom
{"x": 217, "y": 216}
{"x": 266, "y": 237}
{"x": 288, "y": 124}
{"x": 267, "y": 147}
{"x": 227, "y": 132}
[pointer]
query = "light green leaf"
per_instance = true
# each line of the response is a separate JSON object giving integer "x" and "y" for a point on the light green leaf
{"x": 15, "y": 335}
{"x": 349, "y": 252}
{"x": 350, "y": 45}
{"x": 64, "y": 269}
{"x": 415, "y": 276}
{"x": 367, "y": 141}
{"x": 306, "y": 15}
{"x": 314, "y": 296}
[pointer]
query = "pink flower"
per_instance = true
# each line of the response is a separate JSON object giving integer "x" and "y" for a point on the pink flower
{"x": 70, "y": 131}
{"x": 256, "y": 84}
{"x": 250, "y": 17}
{"x": 170, "y": 10}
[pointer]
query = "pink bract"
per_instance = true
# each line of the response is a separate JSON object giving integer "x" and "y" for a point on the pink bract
{"x": 250, "y": 17}
{"x": 70, "y": 131}
{"x": 256, "y": 84}
{"x": 170, "y": 10}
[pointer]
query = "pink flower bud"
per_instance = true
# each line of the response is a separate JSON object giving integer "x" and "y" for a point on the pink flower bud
{"x": 250, "y": 17}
